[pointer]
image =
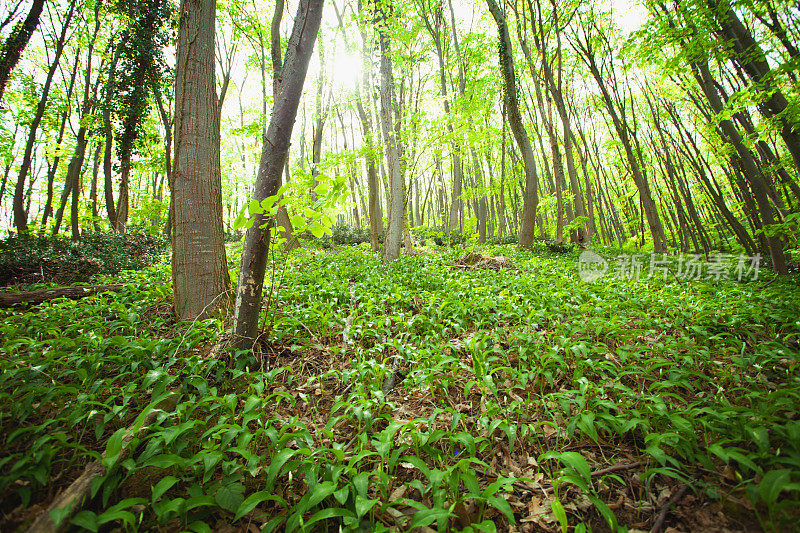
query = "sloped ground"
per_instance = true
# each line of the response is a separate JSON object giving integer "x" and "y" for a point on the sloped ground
{"x": 523, "y": 398}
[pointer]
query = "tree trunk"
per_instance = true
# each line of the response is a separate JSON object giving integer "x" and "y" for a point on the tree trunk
{"x": 16, "y": 43}
{"x": 746, "y": 163}
{"x": 622, "y": 129}
{"x": 531, "y": 197}
{"x": 394, "y": 230}
{"x": 200, "y": 278}
{"x": 751, "y": 58}
{"x": 20, "y": 213}
{"x": 273, "y": 156}
{"x": 51, "y": 174}
{"x": 93, "y": 194}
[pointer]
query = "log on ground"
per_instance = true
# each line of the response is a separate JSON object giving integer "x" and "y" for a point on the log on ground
{"x": 9, "y": 299}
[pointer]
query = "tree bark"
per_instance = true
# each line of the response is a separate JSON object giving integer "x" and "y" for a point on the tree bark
{"x": 394, "y": 229}
{"x": 20, "y": 213}
{"x": 531, "y": 196}
{"x": 16, "y": 43}
{"x": 751, "y": 58}
{"x": 273, "y": 156}
{"x": 9, "y": 299}
{"x": 200, "y": 278}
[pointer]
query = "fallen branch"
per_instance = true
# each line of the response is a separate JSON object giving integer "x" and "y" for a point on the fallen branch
{"x": 9, "y": 299}
{"x": 662, "y": 515}
{"x": 616, "y": 468}
{"x": 75, "y": 495}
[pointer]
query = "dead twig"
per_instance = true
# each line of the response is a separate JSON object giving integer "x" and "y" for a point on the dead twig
{"x": 662, "y": 515}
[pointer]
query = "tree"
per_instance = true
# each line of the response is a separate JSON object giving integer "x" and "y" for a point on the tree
{"x": 16, "y": 43}
{"x": 141, "y": 47}
{"x": 616, "y": 107}
{"x": 531, "y": 195}
{"x": 200, "y": 280}
{"x": 394, "y": 230}
{"x": 273, "y": 157}
{"x": 20, "y": 212}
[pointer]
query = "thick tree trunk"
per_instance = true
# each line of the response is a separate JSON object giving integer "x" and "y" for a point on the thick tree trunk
{"x": 531, "y": 196}
{"x": 200, "y": 278}
{"x": 273, "y": 156}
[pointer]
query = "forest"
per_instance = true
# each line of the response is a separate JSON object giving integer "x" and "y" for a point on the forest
{"x": 400, "y": 265}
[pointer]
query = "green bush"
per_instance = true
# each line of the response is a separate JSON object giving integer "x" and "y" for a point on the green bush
{"x": 505, "y": 239}
{"x": 37, "y": 258}
{"x": 348, "y": 235}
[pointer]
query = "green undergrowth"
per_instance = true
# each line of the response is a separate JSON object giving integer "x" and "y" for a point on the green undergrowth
{"x": 523, "y": 399}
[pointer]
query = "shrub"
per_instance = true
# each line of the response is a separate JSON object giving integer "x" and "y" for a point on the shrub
{"x": 508, "y": 238}
{"x": 349, "y": 235}
{"x": 36, "y": 258}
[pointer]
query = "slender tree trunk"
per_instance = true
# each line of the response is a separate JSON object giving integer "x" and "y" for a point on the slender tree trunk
{"x": 744, "y": 159}
{"x": 273, "y": 156}
{"x": 51, "y": 174}
{"x": 531, "y": 198}
{"x": 622, "y": 128}
{"x": 93, "y": 193}
{"x": 394, "y": 230}
{"x": 12, "y": 49}
{"x": 20, "y": 213}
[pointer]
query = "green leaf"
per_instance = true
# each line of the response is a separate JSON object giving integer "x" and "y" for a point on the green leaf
{"x": 363, "y": 505}
{"x": 342, "y": 494}
{"x": 87, "y": 520}
{"x": 275, "y": 466}
{"x": 316, "y": 229}
{"x": 325, "y": 514}
{"x": 253, "y": 500}
{"x": 573, "y": 460}
{"x": 230, "y": 496}
{"x": 320, "y": 492}
{"x": 268, "y": 203}
{"x": 59, "y": 514}
{"x": 113, "y": 448}
{"x": 560, "y": 514}
{"x": 607, "y": 513}
{"x": 425, "y": 517}
{"x": 163, "y": 486}
{"x": 772, "y": 484}
{"x": 241, "y": 221}
{"x": 200, "y": 527}
{"x": 502, "y": 505}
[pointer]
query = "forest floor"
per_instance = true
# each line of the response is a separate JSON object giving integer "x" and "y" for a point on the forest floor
{"x": 450, "y": 390}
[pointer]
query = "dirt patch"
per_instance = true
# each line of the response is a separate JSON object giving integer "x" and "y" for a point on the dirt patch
{"x": 478, "y": 261}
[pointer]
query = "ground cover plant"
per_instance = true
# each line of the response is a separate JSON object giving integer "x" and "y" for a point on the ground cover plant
{"x": 442, "y": 391}
{"x": 27, "y": 259}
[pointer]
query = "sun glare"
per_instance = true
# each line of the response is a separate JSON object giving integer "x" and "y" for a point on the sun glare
{"x": 345, "y": 70}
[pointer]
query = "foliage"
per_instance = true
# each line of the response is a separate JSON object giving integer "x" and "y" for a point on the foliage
{"x": 513, "y": 392}
{"x": 39, "y": 258}
{"x": 349, "y": 235}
